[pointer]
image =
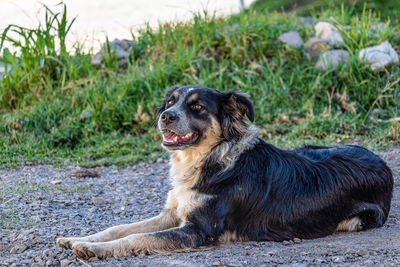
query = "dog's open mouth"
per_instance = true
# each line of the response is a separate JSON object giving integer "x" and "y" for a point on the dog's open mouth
{"x": 171, "y": 138}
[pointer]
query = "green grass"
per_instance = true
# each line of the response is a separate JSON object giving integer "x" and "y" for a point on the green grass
{"x": 45, "y": 89}
{"x": 386, "y": 9}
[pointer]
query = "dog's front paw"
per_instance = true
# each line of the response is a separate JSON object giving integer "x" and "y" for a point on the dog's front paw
{"x": 66, "y": 242}
{"x": 86, "y": 250}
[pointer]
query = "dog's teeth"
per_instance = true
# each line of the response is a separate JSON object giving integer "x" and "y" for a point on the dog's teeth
{"x": 176, "y": 138}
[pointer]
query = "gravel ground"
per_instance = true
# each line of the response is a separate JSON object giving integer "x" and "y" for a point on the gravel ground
{"x": 40, "y": 203}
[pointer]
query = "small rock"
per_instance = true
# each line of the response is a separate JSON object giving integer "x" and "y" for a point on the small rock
{"x": 286, "y": 243}
{"x": 332, "y": 59}
{"x": 86, "y": 114}
{"x": 51, "y": 262}
{"x": 160, "y": 160}
{"x": 328, "y": 33}
{"x": 379, "y": 56}
{"x": 18, "y": 249}
{"x": 97, "y": 58}
{"x": 98, "y": 201}
{"x": 315, "y": 46}
{"x": 291, "y": 38}
{"x": 55, "y": 182}
{"x": 338, "y": 259}
{"x": 362, "y": 253}
{"x": 121, "y": 48}
{"x": 308, "y": 21}
{"x": 296, "y": 240}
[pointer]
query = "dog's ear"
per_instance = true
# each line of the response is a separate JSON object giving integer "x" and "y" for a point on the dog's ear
{"x": 170, "y": 91}
{"x": 235, "y": 106}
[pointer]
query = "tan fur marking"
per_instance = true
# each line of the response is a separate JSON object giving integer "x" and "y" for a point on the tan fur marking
{"x": 185, "y": 170}
{"x": 128, "y": 246}
{"x": 184, "y": 201}
{"x": 193, "y": 98}
{"x": 165, "y": 220}
{"x": 229, "y": 236}
{"x": 186, "y": 164}
{"x": 350, "y": 225}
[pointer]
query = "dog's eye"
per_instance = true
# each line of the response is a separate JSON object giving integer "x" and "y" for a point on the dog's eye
{"x": 170, "y": 102}
{"x": 196, "y": 107}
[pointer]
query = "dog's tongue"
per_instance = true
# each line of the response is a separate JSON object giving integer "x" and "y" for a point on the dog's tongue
{"x": 172, "y": 138}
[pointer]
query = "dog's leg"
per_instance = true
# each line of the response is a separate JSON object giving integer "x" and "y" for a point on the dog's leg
{"x": 165, "y": 220}
{"x": 175, "y": 239}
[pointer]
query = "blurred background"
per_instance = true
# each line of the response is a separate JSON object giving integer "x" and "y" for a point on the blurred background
{"x": 96, "y": 19}
{"x": 80, "y": 81}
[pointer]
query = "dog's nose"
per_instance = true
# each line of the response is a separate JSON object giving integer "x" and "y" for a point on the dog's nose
{"x": 168, "y": 116}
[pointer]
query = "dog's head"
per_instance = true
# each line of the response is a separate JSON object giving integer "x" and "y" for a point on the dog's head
{"x": 191, "y": 116}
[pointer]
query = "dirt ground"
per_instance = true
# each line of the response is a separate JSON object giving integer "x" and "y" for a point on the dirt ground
{"x": 40, "y": 203}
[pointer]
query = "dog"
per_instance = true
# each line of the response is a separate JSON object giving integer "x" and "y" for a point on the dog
{"x": 230, "y": 185}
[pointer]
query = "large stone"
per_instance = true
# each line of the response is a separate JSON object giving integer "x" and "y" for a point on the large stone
{"x": 332, "y": 58}
{"x": 291, "y": 38}
{"x": 315, "y": 46}
{"x": 379, "y": 56}
{"x": 328, "y": 33}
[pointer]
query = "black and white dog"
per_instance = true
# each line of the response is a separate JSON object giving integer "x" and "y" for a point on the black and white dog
{"x": 230, "y": 185}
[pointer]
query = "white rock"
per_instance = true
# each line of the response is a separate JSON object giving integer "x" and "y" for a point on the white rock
{"x": 328, "y": 33}
{"x": 379, "y": 56}
{"x": 291, "y": 38}
{"x": 332, "y": 58}
{"x": 56, "y": 182}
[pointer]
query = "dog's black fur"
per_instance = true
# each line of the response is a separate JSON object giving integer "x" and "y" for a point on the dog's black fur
{"x": 274, "y": 194}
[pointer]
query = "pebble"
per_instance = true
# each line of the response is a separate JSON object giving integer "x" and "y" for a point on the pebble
{"x": 98, "y": 201}
{"x": 332, "y": 59}
{"x": 362, "y": 253}
{"x": 296, "y": 240}
{"x": 338, "y": 259}
{"x": 292, "y": 38}
{"x": 65, "y": 262}
{"x": 315, "y": 46}
{"x": 379, "y": 56}
{"x": 329, "y": 34}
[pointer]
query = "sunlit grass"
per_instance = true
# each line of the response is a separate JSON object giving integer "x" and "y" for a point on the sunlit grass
{"x": 46, "y": 90}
